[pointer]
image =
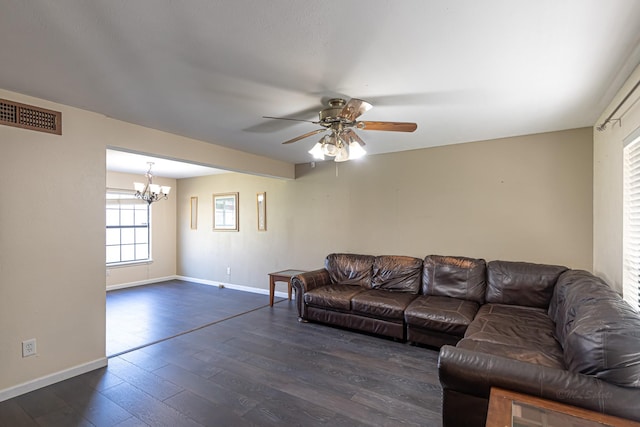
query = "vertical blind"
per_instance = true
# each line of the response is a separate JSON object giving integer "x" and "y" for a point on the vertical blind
{"x": 631, "y": 224}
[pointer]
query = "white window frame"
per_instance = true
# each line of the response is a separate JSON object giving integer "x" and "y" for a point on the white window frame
{"x": 141, "y": 231}
{"x": 631, "y": 220}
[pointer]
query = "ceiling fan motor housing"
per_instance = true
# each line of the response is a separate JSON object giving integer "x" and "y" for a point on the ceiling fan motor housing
{"x": 330, "y": 115}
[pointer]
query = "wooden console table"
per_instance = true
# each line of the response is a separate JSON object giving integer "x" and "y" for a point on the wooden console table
{"x": 508, "y": 408}
{"x": 281, "y": 276}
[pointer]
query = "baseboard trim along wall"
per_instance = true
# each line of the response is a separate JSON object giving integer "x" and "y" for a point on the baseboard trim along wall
{"x": 235, "y": 287}
{"x": 217, "y": 284}
{"x": 47, "y": 380}
{"x": 140, "y": 283}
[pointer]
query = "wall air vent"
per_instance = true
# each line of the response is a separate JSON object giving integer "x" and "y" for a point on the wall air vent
{"x": 30, "y": 117}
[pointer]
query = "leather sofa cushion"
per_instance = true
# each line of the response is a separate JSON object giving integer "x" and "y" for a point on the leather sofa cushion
{"x": 604, "y": 341}
{"x": 336, "y": 296}
{"x": 521, "y": 283}
{"x": 600, "y": 333}
{"x": 535, "y": 356}
{"x": 456, "y": 277}
{"x": 397, "y": 273}
{"x": 443, "y": 314}
{"x": 528, "y": 331}
{"x": 576, "y": 288}
{"x": 381, "y": 304}
{"x": 351, "y": 269}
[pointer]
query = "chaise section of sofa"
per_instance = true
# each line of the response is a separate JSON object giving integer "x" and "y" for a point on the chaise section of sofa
{"x": 362, "y": 292}
{"x": 546, "y": 331}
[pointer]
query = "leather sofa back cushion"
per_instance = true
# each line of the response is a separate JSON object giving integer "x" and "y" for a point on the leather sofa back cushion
{"x": 604, "y": 341}
{"x": 521, "y": 283}
{"x": 397, "y": 273}
{"x": 351, "y": 269}
{"x": 456, "y": 277}
{"x": 574, "y": 289}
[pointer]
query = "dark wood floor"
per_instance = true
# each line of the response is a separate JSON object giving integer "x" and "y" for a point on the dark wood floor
{"x": 146, "y": 314}
{"x": 260, "y": 368}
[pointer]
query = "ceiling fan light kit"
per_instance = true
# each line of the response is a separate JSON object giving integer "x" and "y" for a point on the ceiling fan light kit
{"x": 340, "y": 118}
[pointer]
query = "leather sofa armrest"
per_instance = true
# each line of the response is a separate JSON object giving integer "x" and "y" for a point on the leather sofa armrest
{"x": 474, "y": 373}
{"x": 305, "y": 282}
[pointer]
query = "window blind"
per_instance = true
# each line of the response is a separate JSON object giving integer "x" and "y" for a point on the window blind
{"x": 631, "y": 225}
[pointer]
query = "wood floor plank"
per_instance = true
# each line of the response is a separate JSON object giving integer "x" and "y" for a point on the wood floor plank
{"x": 142, "y": 379}
{"x": 204, "y": 411}
{"x": 93, "y": 406}
{"x": 146, "y": 408}
{"x": 12, "y": 414}
{"x": 236, "y": 401}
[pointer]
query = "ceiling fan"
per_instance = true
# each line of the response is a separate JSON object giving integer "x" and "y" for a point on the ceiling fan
{"x": 339, "y": 118}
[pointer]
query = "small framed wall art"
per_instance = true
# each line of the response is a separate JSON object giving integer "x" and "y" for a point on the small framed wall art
{"x": 261, "y": 200}
{"x": 225, "y": 212}
{"x": 194, "y": 213}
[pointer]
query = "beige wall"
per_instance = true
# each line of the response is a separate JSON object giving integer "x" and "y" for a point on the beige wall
{"x": 525, "y": 198}
{"x": 51, "y": 247}
{"x": 52, "y": 254}
{"x": 163, "y": 235}
{"x": 607, "y": 184}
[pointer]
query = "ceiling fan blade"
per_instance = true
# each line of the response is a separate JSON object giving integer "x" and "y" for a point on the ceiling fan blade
{"x": 288, "y": 118}
{"x": 351, "y": 134}
{"x": 391, "y": 126}
{"x": 298, "y": 138}
{"x": 354, "y": 108}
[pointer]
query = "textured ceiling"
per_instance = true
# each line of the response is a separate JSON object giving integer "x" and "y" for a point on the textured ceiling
{"x": 463, "y": 70}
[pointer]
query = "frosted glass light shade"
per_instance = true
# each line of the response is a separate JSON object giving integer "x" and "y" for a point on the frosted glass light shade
{"x": 165, "y": 189}
{"x": 138, "y": 186}
{"x": 343, "y": 154}
{"x": 316, "y": 151}
{"x": 154, "y": 188}
{"x": 355, "y": 150}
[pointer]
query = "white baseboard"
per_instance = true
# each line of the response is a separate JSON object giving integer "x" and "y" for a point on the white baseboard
{"x": 11, "y": 392}
{"x": 279, "y": 294}
{"x": 140, "y": 283}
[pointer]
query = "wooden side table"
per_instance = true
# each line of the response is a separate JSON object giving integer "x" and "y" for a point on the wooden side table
{"x": 508, "y": 408}
{"x": 281, "y": 276}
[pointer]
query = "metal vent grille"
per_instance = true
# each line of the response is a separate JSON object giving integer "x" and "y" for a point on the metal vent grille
{"x": 30, "y": 117}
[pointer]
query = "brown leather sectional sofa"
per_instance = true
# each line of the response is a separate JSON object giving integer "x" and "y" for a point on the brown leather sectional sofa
{"x": 542, "y": 330}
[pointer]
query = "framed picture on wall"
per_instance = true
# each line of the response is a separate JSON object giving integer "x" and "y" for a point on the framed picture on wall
{"x": 262, "y": 211}
{"x": 194, "y": 213}
{"x": 225, "y": 212}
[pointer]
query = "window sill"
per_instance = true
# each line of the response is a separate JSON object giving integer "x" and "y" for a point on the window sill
{"x": 129, "y": 263}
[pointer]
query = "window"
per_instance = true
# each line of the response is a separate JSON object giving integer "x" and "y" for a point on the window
{"x": 631, "y": 223}
{"x": 127, "y": 228}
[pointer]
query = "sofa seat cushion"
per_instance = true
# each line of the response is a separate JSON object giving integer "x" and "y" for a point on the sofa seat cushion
{"x": 336, "y": 296}
{"x": 381, "y": 304}
{"x": 439, "y": 313}
{"x": 524, "y": 331}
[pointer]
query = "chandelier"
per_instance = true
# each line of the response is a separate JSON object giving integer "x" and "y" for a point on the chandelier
{"x": 151, "y": 192}
{"x": 341, "y": 144}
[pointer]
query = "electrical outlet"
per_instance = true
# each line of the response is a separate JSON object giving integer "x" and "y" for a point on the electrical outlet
{"x": 228, "y": 270}
{"x": 29, "y": 347}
